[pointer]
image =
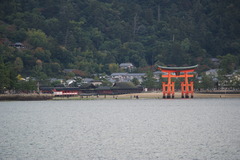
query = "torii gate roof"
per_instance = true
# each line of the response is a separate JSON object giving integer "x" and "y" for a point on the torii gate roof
{"x": 177, "y": 69}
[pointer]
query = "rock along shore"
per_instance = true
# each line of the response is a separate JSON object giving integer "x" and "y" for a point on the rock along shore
{"x": 25, "y": 97}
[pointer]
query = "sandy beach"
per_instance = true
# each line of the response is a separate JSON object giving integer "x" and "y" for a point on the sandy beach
{"x": 147, "y": 95}
{"x": 143, "y": 95}
{"x": 157, "y": 95}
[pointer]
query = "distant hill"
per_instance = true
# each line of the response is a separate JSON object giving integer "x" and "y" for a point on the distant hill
{"x": 92, "y": 35}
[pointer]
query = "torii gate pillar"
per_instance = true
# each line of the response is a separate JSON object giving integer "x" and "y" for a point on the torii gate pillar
{"x": 187, "y": 88}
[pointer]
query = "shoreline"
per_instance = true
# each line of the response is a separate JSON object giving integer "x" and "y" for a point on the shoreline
{"x": 158, "y": 95}
{"x": 25, "y": 97}
{"x": 143, "y": 95}
{"x": 147, "y": 95}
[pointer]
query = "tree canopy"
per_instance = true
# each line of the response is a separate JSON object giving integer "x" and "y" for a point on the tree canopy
{"x": 96, "y": 35}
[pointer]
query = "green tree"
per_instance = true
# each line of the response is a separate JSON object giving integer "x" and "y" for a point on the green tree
{"x": 52, "y": 26}
{"x": 228, "y": 63}
{"x": 135, "y": 81}
{"x": 56, "y": 67}
{"x": 56, "y": 83}
{"x": 91, "y": 34}
{"x": 207, "y": 82}
{"x": 105, "y": 82}
{"x": 26, "y": 86}
{"x": 4, "y": 77}
{"x": 149, "y": 81}
{"x": 42, "y": 54}
{"x": 113, "y": 67}
{"x": 18, "y": 64}
{"x": 37, "y": 38}
{"x": 236, "y": 80}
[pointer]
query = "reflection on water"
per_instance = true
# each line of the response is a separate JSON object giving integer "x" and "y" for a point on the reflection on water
{"x": 121, "y": 129}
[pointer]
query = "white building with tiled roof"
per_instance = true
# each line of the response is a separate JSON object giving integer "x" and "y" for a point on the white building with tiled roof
{"x": 127, "y": 77}
{"x": 127, "y": 66}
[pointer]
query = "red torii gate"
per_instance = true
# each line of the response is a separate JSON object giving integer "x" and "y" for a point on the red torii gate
{"x": 175, "y": 72}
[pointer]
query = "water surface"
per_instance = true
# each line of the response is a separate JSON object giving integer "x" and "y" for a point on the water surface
{"x": 188, "y": 129}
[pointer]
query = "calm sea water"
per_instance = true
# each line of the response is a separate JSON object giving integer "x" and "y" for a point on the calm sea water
{"x": 187, "y": 129}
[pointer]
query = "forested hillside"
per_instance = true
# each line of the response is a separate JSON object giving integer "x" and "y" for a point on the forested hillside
{"x": 95, "y": 35}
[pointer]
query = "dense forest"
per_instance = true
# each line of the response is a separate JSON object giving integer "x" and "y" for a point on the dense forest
{"x": 95, "y": 36}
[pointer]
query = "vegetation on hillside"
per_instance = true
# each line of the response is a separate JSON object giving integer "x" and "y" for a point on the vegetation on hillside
{"x": 93, "y": 36}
